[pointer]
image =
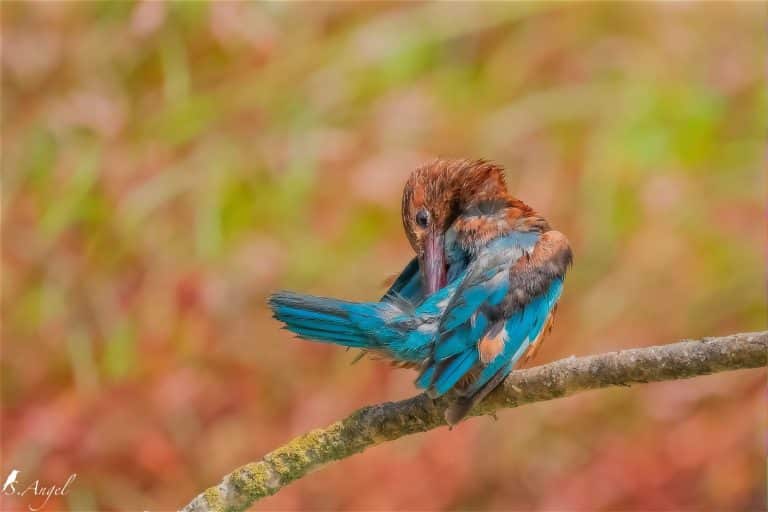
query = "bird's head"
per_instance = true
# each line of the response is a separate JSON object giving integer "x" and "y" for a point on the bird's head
{"x": 435, "y": 195}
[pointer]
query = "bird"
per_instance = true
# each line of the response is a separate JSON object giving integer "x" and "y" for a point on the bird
{"x": 433, "y": 197}
{"x": 478, "y": 297}
{"x": 11, "y": 480}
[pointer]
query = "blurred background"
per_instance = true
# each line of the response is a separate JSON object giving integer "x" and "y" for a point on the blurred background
{"x": 168, "y": 165}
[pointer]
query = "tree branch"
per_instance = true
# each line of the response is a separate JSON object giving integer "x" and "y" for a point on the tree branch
{"x": 376, "y": 424}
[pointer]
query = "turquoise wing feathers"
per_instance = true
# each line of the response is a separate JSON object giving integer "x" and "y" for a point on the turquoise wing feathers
{"x": 496, "y": 314}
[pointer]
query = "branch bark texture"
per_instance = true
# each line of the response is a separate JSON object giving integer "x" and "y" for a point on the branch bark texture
{"x": 376, "y": 424}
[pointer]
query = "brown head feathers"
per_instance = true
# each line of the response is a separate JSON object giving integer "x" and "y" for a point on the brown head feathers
{"x": 438, "y": 193}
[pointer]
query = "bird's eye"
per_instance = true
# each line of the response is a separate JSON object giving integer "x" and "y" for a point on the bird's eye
{"x": 422, "y": 218}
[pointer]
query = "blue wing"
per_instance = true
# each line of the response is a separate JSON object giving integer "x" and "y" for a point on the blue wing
{"x": 470, "y": 312}
{"x": 402, "y": 325}
{"x": 407, "y": 286}
{"x": 500, "y": 309}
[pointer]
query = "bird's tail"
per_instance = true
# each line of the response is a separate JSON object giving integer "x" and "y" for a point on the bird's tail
{"x": 350, "y": 324}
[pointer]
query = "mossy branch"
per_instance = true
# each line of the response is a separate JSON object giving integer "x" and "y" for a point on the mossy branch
{"x": 376, "y": 424}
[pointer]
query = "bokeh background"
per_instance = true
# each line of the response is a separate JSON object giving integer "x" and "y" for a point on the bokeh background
{"x": 165, "y": 166}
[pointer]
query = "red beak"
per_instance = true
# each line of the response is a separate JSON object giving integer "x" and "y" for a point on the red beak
{"x": 433, "y": 263}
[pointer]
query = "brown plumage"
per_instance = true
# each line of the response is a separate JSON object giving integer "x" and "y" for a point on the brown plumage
{"x": 449, "y": 188}
{"x": 445, "y": 188}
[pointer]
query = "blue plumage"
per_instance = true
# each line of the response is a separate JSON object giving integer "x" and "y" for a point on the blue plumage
{"x": 468, "y": 335}
{"x": 455, "y": 370}
{"x": 395, "y": 326}
{"x": 329, "y": 320}
{"x": 407, "y": 286}
{"x": 521, "y": 330}
{"x": 476, "y": 298}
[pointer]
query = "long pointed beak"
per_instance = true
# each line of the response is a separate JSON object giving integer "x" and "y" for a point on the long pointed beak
{"x": 433, "y": 263}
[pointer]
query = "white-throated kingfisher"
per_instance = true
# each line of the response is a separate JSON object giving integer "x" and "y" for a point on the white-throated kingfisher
{"x": 478, "y": 297}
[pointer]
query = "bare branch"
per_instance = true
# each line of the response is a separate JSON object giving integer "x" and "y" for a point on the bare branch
{"x": 376, "y": 424}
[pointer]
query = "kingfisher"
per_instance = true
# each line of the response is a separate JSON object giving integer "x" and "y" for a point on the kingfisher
{"x": 475, "y": 301}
